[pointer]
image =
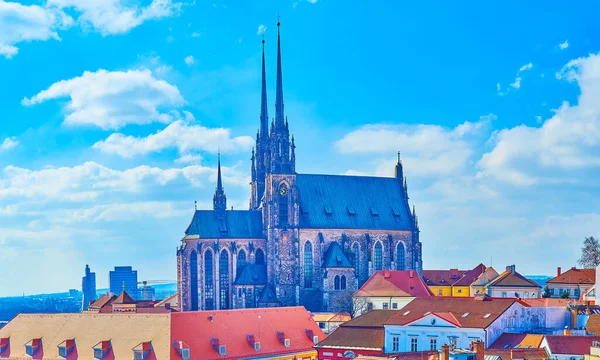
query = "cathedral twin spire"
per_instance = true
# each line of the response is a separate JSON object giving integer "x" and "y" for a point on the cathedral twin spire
{"x": 219, "y": 199}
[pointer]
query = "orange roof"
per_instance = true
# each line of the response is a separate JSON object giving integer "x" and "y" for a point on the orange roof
{"x": 547, "y": 302}
{"x": 124, "y": 298}
{"x": 593, "y": 324}
{"x": 575, "y": 276}
{"x": 402, "y": 283}
{"x": 513, "y": 279}
{"x": 232, "y": 328}
{"x": 517, "y": 341}
{"x": 570, "y": 345}
{"x": 331, "y": 317}
{"x": 103, "y": 300}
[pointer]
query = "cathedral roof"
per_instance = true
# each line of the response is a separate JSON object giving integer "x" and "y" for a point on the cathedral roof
{"x": 268, "y": 296}
{"x": 252, "y": 274}
{"x": 352, "y": 202}
{"x": 235, "y": 224}
{"x": 335, "y": 257}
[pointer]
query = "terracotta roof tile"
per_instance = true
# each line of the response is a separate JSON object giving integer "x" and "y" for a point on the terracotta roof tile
{"x": 373, "y": 318}
{"x": 355, "y": 337}
{"x": 575, "y": 276}
{"x": 471, "y": 312}
{"x": 403, "y": 283}
{"x": 571, "y": 345}
{"x": 231, "y": 328}
{"x": 593, "y": 324}
{"x": 331, "y": 317}
{"x": 511, "y": 279}
{"x": 547, "y": 302}
{"x": 442, "y": 277}
{"x": 470, "y": 276}
{"x": 509, "y": 341}
{"x": 124, "y": 298}
{"x": 527, "y": 354}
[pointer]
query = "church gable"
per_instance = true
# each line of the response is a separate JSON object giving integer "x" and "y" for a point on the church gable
{"x": 335, "y": 257}
{"x": 436, "y": 320}
{"x": 353, "y": 202}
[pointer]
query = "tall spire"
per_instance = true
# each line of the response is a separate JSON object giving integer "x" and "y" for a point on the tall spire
{"x": 264, "y": 110}
{"x": 219, "y": 199}
{"x": 279, "y": 117}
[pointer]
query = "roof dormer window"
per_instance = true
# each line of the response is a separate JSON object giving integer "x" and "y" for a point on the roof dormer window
{"x": 182, "y": 349}
{"x": 374, "y": 212}
{"x": 33, "y": 346}
{"x": 219, "y": 346}
{"x": 102, "y": 349}
{"x": 351, "y": 210}
{"x": 142, "y": 350}
{"x": 285, "y": 340}
{"x": 311, "y": 335}
{"x": 66, "y": 347}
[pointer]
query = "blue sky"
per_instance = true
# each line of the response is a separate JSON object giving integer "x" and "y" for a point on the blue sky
{"x": 112, "y": 113}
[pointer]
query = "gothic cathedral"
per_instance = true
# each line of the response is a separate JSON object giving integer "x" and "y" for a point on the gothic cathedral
{"x": 305, "y": 240}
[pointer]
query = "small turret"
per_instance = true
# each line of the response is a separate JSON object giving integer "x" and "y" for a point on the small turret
{"x": 399, "y": 173}
{"x": 293, "y": 156}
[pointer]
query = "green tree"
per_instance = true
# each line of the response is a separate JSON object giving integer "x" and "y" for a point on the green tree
{"x": 590, "y": 253}
{"x": 546, "y": 293}
{"x": 564, "y": 295}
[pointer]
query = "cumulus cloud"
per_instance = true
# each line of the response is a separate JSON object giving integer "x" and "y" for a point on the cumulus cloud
{"x": 182, "y": 135}
{"x": 113, "y": 99}
{"x": 568, "y": 140}
{"x": 23, "y": 23}
{"x": 426, "y": 149}
{"x": 564, "y": 45}
{"x": 261, "y": 29}
{"x": 189, "y": 60}
{"x": 110, "y": 17}
{"x": 9, "y": 143}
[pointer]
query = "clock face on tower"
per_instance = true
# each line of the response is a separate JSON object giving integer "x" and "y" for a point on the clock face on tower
{"x": 283, "y": 190}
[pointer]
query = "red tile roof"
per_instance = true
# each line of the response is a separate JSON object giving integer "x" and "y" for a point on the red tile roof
{"x": 471, "y": 313}
{"x": 547, "y": 302}
{"x": 404, "y": 283}
{"x": 103, "y": 300}
{"x": 470, "y": 276}
{"x": 442, "y": 277}
{"x": 571, "y": 345}
{"x": 593, "y": 324}
{"x": 124, "y": 298}
{"x": 231, "y": 328}
{"x": 527, "y": 354}
{"x": 575, "y": 276}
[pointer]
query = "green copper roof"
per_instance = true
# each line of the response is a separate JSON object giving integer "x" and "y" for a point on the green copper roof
{"x": 353, "y": 202}
{"x": 335, "y": 257}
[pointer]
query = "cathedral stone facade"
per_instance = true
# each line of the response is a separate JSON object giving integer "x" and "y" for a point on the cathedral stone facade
{"x": 306, "y": 239}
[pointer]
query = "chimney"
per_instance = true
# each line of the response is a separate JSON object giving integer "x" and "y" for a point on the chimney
{"x": 511, "y": 268}
{"x": 386, "y": 274}
{"x": 445, "y": 352}
{"x": 479, "y": 349}
{"x": 558, "y": 271}
{"x": 411, "y": 273}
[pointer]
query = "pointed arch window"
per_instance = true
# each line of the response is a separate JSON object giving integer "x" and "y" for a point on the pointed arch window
{"x": 241, "y": 260}
{"x": 283, "y": 205}
{"x": 343, "y": 282}
{"x": 308, "y": 265}
{"x": 377, "y": 256}
{"x": 336, "y": 282}
{"x": 355, "y": 250}
{"x": 194, "y": 280}
{"x": 224, "y": 279}
{"x": 400, "y": 257}
{"x": 209, "y": 287}
{"x": 260, "y": 257}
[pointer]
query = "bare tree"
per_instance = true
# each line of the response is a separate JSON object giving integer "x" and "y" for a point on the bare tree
{"x": 354, "y": 305}
{"x": 590, "y": 253}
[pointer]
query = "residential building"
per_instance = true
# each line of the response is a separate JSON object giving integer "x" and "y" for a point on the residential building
{"x": 580, "y": 314}
{"x": 123, "y": 278}
{"x": 124, "y": 303}
{"x": 569, "y": 347}
{"x": 427, "y": 323}
{"x": 452, "y": 282}
{"x": 272, "y": 333}
{"x": 88, "y": 288}
{"x": 512, "y": 284}
{"x": 86, "y": 336}
{"x": 311, "y": 239}
{"x": 557, "y": 312}
{"x": 594, "y": 352}
{"x": 572, "y": 284}
{"x": 479, "y": 286}
{"x": 363, "y": 335}
{"x": 389, "y": 290}
{"x": 328, "y": 322}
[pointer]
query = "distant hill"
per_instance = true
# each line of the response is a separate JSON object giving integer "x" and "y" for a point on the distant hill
{"x": 540, "y": 279}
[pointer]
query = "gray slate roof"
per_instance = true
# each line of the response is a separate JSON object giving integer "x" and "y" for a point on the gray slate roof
{"x": 335, "y": 257}
{"x": 236, "y": 224}
{"x": 252, "y": 274}
{"x": 352, "y": 202}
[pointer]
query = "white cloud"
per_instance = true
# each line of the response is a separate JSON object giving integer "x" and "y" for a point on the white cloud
{"x": 9, "y": 143}
{"x": 261, "y": 29}
{"x": 113, "y": 99}
{"x": 180, "y": 135}
{"x": 526, "y": 67}
{"x": 22, "y": 23}
{"x": 189, "y": 159}
{"x": 189, "y": 60}
{"x": 426, "y": 149}
{"x": 517, "y": 83}
{"x": 569, "y": 140}
{"x": 564, "y": 45}
{"x": 196, "y": 34}
{"x": 110, "y": 17}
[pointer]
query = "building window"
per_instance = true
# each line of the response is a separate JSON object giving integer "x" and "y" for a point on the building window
{"x": 394, "y": 305}
{"x": 283, "y": 205}
{"x": 440, "y": 292}
{"x": 194, "y": 280}
{"x": 260, "y": 257}
{"x": 355, "y": 250}
{"x": 378, "y": 257}
{"x": 460, "y": 291}
{"x": 369, "y": 306}
{"x": 433, "y": 344}
{"x": 224, "y": 279}
{"x": 504, "y": 294}
{"x": 452, "y": 341}
{"x": 414, "y": 344}
{"x": 576, "y": 293}
{"x": 400, "y": 256}
{"x": 336, "y": 283}
{"x": 209, "y": 295}
{"x": 343, "y": 282}
{"x": 396, "y": 343}
{"x": 308, "y": 265}
{"x": 553, "y": 292}
{"x": 385, "y": 306}
{"x": 241, "y": 260}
